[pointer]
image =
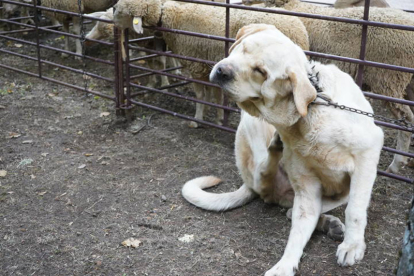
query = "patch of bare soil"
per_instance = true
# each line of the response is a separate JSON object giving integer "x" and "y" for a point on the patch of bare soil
{"x": 79, "y": 182}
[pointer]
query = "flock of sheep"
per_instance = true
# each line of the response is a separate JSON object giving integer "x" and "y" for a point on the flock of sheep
{"x": 384, "y": 45}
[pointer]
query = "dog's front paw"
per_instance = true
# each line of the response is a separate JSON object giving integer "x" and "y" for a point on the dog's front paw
{"x": 350, "y": 253}
{"x": 282, "y": 268}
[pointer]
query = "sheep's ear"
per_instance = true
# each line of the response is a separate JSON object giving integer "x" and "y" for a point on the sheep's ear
{"x": 137, "y": 25}
{"x": 249, "y": 30}
{"x": 303, "y": 91}
{"x": 96, "y": 14}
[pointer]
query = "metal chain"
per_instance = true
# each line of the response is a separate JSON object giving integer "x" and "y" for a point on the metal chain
{"x": 83, "y": 39}
{"x": 400, "y": 122}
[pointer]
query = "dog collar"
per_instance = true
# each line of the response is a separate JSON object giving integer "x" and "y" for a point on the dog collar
{"x": 314, "y": 79}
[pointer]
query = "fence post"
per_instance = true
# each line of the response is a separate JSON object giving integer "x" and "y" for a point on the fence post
{"x": 127, "y": 106}
{"x": 36, "y": 20}
{"x": 226, "y": 52}
{"x": 360, "y": 75}
{"x": 119, "y": 72}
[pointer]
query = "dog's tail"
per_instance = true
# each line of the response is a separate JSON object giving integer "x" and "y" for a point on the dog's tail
{"x": 193, "y": 192}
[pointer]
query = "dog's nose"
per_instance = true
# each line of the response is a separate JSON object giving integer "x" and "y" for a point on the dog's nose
{"x": 224, "y": 73}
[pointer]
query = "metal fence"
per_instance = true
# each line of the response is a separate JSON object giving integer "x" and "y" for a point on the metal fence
{"x": 126, "y": 90}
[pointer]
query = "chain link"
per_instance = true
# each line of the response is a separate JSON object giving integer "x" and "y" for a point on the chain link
{"x": 400, "y": 122}
{"x": 83, "y": 39}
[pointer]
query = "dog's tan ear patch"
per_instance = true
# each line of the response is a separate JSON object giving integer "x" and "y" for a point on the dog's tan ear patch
{"x": 303, "y": 91}
{"x": 249, "y": 30}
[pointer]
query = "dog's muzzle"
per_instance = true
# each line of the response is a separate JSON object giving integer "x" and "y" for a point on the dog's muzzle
{"x": 222, "y": 74}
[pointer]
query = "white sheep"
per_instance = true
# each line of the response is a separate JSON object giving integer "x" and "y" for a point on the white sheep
{"x": 342, "y": 4}
{"x": 383, "y": 45}
{"x": 202, "y": 19}
{"x": 103, "y": 30}
{"x": 87, "y": 6}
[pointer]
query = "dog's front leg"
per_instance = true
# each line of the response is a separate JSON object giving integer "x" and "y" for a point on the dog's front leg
{"x": 353, "y": 247}
{"x": 307, "y": 207}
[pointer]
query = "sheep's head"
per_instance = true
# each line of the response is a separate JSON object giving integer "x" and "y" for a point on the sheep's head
{"x": 134, "y": 14}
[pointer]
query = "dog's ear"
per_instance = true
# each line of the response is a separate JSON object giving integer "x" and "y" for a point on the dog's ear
{"x": 249, "y": 30}
{"x": 303, "y": 91}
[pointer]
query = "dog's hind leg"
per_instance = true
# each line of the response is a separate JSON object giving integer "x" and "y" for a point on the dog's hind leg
{"x": 270, "y": 180}
{"x": 331, "y": 226}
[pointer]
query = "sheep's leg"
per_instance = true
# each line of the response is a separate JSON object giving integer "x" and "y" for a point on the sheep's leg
{"x": 55, "y": 22}
{"x": 153, "y": 64}
{"x": 66, "y": 30}
{"x": 77, "y": 30}
{"x": 403, "y": 138}
{"x": 161, "y": 61}
{"x": 200, "y": 94}
{"x": 409, "y": 92}
{"x": 173, "y": 62}
{"x": 218, "y": 97}
{"x": 164, "y": 79}
{"x": 25, "y": 12}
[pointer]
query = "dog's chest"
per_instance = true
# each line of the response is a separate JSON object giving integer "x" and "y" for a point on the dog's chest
{"x": 323, "y": 154}
{"x": 329, "y": 157}
{"x": 333, "y": 182}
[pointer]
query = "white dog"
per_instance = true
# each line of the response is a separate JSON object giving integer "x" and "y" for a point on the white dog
{"x": 330, "y": 155}
{"x": 258, "y": 150}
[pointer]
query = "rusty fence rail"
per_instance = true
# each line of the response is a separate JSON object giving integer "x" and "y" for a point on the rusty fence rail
{"x": 123, "y": 81}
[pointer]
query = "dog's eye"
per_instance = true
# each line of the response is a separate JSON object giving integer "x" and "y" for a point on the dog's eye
{"x": 255, "y": 99}
{"x": 259, "y": 70}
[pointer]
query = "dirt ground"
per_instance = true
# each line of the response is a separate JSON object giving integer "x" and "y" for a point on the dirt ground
{"x": 80, "y": 181}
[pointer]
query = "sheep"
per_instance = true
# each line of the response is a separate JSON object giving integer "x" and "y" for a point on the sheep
{"x": 87, "y": 6}
{"x": 342, "y": 4}
{"x": 103, "y": 30}
{"x": 202, "y": 19}
{"x": 10, "y": 9}
{"x": 383, "y": 45}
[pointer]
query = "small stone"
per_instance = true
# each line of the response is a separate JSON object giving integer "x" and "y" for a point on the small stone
{"x": 163, "y": 198}
{"x": 186, "y": 238}
{"x": 3, "y": 173}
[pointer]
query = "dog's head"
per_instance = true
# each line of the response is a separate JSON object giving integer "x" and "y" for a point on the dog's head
{"x": 266, "y": 75}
